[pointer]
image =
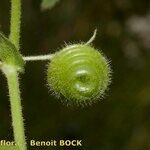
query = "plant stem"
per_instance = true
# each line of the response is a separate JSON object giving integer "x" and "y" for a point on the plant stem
{"x": 12, "y": 78}
{"x": 15, "y": 22}
{"x": 38, "y": 58}
{"x": 16, "y": 109}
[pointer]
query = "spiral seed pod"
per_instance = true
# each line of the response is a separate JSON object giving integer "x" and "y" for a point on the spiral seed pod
{"x": 80, "y": 73}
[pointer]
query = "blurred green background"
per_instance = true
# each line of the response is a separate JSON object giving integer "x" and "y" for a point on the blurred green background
{"x": 121, "y": 121}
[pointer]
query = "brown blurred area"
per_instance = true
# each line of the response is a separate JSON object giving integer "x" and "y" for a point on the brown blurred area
{"x": 121, "y": 121}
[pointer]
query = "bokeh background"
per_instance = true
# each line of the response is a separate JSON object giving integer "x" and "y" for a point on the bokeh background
{"x": 121, "y": 121}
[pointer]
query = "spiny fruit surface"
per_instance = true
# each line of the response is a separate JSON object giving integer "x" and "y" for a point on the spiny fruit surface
{"x": 80, "y": 73}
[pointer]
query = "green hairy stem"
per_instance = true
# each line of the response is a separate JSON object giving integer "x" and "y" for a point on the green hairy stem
{"x": 16, "y": 109}
{"x": 12, "y": 78}
{"x": 15, "y": 22}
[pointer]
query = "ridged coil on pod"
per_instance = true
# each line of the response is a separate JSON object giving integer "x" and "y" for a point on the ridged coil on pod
{"x": 79, "y": 72}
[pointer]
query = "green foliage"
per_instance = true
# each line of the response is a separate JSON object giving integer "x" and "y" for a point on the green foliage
{"x": 48, "y": 4}
{"x": 9, "y": 54}
{"x": 80, "y": 73}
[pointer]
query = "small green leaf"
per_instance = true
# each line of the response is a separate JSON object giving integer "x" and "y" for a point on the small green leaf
{"x": 9, "y": 148}
{"x": 9, "y": 55}
{"x": 48, "y": 4}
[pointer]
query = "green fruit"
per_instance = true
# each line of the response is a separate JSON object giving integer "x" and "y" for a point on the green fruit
{"x": 80, "y": 73}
